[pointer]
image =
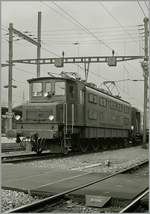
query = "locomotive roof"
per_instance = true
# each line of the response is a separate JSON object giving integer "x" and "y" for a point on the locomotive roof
{"x": 49, "y": 78}
{"x": 76, "y": 80}
{"x": 108, "y": 95}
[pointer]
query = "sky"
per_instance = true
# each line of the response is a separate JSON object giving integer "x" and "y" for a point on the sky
{"x": 95, "y": 27}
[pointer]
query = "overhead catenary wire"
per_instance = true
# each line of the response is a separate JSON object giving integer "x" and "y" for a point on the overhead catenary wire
{"x": 58, "y": 56}
{"x": 140, "y": 6}
{"x": 108, "y": 12}
{"x": 102, "y": 29}
{"x": 43, "y": 48}
{"x": 47, "y": 51}
{"x": 21, "y": 69}
{"x": 125, "y": 92}
{"x": 19, "y": 81}
{"x": 84, "y": 36}
{"x": 69, "y": 14}
{"x": 82, "y": 40}
{"x": 75, "y": 21}
{"x": 116, "y": 38}
{"x": 146, "y": 4}
{"x": 81, "y": 33}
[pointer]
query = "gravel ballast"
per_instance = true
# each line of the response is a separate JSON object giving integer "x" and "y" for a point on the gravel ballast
{"x": 11, "y": 199}
{"x": 117, "y": 159}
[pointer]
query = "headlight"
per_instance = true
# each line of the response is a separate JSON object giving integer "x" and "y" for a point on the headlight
{"x": 46, "y": 94}
{"x": 51, "y": 117}
{"x": 132, "y": 127}
{"x": 17, "y": 117}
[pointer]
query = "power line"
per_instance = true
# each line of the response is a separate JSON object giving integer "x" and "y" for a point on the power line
{"x": 41, "y": 47}
{"x": 125, "y": 92}
{"x": 82, "y": 26}
{"x": 141, "y": 8}
{"x": 19, "y": 81}
{"x": 71, "y": 40}
{"x": 146, "y": 4}
{"x": 47, "y": 50}
{"x": 129, "y": 27}
{"x": 75, "y": 21}
{"x": 98, "y": 75}
{"x": 115, "y": 19}
{"x": 25, "y": 71}
{"x": 61, "y": 33}
{"x": 69, "y": 15}
{"x": 84, "y": 36}
{"x": 62, "y": 43}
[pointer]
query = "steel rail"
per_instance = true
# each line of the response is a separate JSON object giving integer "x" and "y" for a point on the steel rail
{"x": 132, "y": 205}
{"x": 35, "y": 205}
{"x": 33, "y": 156}
{"x": 27, "y": 157}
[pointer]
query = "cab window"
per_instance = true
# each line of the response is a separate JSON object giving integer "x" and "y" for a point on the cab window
{"x": 60, "y": 88}
{"x": 48, "y": 87}
{"x": 37, "y": 89}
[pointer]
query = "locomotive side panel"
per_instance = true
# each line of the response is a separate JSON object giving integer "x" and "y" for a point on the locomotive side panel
{"x": 106, "y": 116}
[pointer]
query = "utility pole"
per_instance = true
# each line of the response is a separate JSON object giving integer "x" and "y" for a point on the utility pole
{"x": 39, "y": 43}
{"x": 10, "y": 76}
{"x": 10, "y": 64}
{"x": 144, "y": 65}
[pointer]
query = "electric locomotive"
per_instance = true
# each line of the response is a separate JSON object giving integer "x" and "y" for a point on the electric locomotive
{"x": 66, "y": 114}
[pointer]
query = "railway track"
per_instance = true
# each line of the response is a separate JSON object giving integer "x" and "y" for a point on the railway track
{"x": 133, "y": 206}
{"x": 39, "y": 206}
{"x": 27, "y": 157}
{"x": 13, "y": 158}
{"x": 11, "y": 147}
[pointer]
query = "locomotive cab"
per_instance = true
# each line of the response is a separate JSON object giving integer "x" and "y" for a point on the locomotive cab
{"x": 51, "y": 112}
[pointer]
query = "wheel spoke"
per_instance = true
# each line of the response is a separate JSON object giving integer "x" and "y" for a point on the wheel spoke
{"x": 84, "y": 146}
{"x": 95, "y": 146}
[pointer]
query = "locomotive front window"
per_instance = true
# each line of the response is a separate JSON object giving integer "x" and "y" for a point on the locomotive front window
{"x": 59, "y": 88}
{"x": 37, "y": 89}
{"x": 48, "y": 87}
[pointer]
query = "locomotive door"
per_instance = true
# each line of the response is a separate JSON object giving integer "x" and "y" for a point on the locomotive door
{"x": 81, "y": 110}
{"x": 71, "y": 106}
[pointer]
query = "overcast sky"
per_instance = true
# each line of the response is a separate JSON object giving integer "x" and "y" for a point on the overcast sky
{"x": 97, "y": 27}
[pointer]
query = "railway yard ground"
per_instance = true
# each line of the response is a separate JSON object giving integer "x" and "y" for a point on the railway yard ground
{"x": 28, "y": 182}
